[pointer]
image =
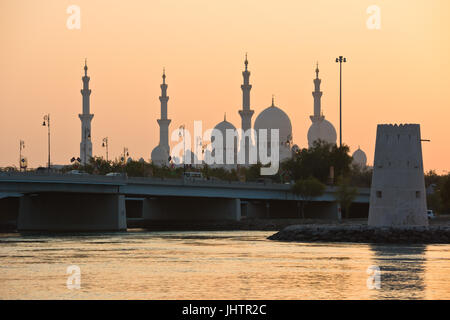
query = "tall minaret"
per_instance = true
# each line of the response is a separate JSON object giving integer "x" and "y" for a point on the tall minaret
{"x": 317, "y": 94}
{"x": 164, "y": 122}
{"x": 86, "y": 118}
{"x": 246, "y": 113}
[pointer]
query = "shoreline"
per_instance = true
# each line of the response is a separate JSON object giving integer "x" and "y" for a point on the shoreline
{"x": 246, "y": 224}
{"x": 433, "y": 234}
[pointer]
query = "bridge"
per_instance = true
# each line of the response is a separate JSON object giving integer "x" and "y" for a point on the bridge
{"x": 64, "y": 202}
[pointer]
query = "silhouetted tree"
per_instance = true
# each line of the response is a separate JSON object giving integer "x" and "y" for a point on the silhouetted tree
{"x": 317, "y": 160}
{"x": 345, "y": 194}
{"x": 308, "y": 189}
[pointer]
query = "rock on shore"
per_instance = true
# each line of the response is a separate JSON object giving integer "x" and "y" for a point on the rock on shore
{"x": 363, "y": 234}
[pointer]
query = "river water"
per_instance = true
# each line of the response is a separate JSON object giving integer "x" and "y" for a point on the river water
{"x": 215, "y": 265}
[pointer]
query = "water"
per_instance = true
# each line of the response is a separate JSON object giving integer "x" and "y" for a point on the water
{"x": 215, "y": 265}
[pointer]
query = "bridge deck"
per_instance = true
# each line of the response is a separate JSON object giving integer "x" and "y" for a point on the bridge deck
{"x": 25, "y": 183}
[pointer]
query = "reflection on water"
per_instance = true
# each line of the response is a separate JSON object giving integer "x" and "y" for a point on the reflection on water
{"x": 215, "y": 265}
{"x": 402, "y": 271}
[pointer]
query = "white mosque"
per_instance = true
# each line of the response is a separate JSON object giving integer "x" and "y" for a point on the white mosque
{"x": 270, "y": 118}
{"x": 320, "y": 129}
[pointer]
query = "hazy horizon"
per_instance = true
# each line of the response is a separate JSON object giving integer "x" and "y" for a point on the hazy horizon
{"x": 398, "y": 74}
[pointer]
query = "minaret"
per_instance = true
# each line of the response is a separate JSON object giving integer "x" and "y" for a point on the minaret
{"x": 86, "y": 118}
{"x": 246, "y": 113}
{"x": 164, "y": 122}
{"x": 317, "y": 94}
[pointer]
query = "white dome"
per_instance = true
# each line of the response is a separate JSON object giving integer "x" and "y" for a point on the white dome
{"x": 223, "y": 127}
{"x": 321, "y": 130}
{"x": 160, "y": 155}
{"x": 274, "y": 118}
{"x": 359, "y": 158}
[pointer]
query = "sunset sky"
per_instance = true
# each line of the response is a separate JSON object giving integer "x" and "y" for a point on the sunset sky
{"x": 398, "y": 74}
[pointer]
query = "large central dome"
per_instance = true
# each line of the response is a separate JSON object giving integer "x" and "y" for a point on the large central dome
{"x": 274, "y": 118}
{"x": 223, "y": 127}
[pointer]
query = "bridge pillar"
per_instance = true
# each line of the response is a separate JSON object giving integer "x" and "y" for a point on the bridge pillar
{"x": 206, "y": 209}
{"x": 72, "y": 212}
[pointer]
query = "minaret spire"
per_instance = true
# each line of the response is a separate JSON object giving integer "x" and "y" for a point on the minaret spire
{"x": 158, "y": 157}
{"x": 246, "y": 113}
{"x": 86, "y": 118}
{"x": 317, "y": 94}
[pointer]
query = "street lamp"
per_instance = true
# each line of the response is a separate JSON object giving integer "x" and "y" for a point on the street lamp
{"x": 184, "y": 149}
{"x": 125, "y": 154}
{"x": 46, "y": 123}
{"x": 105, "y": 145}
{"x": 340, "y": 60}
{"x": 22, "y": 146}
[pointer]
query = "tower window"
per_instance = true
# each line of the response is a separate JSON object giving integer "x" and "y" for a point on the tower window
{"x": 417, "y": 194}
{"x": 379, "y": 194}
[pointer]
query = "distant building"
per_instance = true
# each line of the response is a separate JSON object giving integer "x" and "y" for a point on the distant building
{"x": 320, "y": 129}
{"x": 86, "y": 118}
{"x": 359, "y": 158}
{"x": 397, "y": 195}
{"x": 160, "y": 154}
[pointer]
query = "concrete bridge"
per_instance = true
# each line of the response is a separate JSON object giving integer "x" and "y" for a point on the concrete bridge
{"x": 64, "y": 202}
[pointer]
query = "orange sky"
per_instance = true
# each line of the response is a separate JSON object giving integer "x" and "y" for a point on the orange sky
{"x": 399, "y": 74}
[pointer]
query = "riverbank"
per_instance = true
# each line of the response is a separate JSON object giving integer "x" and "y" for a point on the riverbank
{"x": 244, "y": 225}
{"x": 437, "y": 232}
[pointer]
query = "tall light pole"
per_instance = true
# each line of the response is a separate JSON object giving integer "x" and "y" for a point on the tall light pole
{"x": 340, "y": 60}
{"x": 125, "y": 154}
{"x": 105, "y": 145}
{"x": 184, "y": 149}
{"x": 22, "y": 146}
{"x": 47, "y": 123}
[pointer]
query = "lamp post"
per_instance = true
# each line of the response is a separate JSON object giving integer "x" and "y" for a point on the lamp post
{"x": 184, "y": 149}
{"x": 340, "y": 60}
{"x": 105, "y": 145}
{"x": 22, "y": 146}
{"x": 46, "y": 123}
{"x": 125, "y": 154}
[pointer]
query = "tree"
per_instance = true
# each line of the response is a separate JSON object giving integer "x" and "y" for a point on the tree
{"x": 308, "y": 189}
{"x": 317, "y": 160}
{"x": 445, "y": 194}
{"x": 345, "y": 194}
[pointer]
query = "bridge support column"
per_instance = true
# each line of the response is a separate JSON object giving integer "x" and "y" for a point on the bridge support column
{"x": 192, "y": 209}
{"x": 72, "y": 212}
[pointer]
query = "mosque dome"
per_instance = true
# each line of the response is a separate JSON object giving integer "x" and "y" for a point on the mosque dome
{"x": 274, "y": 118}
{"x": 321, "y": 130}
{"x": 224, "y": 126}
{"x": 359, "y": 158}
{"x": 160, "y": 155}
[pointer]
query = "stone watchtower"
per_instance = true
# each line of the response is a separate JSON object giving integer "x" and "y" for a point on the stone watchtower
{"x": 397, "y": 195}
